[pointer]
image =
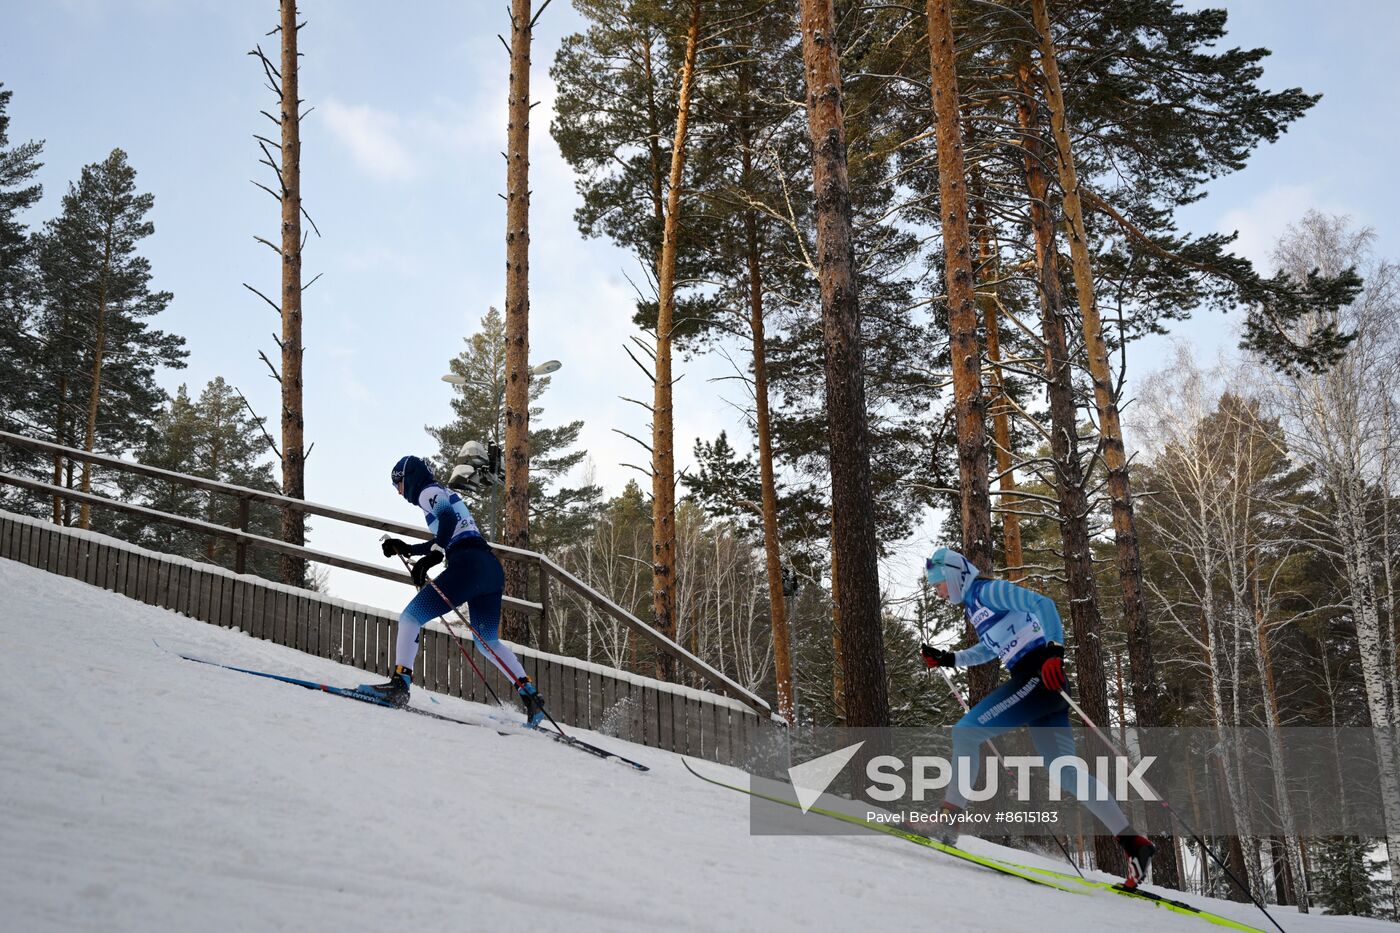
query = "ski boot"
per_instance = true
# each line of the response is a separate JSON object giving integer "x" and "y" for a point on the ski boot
{"x": 1139, "y": 850}
{"x": 534, "y": 704}
{"x": 945, "y": 829}
{"x": 395, "y": 691}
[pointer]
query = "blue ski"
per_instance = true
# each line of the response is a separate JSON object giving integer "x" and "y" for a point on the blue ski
{"x": 347, "y": 692}
{"x": 352, "y": 694}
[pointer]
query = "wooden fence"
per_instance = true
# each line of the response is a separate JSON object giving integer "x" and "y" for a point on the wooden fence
{"x": 579, "y": 693}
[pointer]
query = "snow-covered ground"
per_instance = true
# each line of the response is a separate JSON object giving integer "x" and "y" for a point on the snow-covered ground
{"x": 144, "y": 792}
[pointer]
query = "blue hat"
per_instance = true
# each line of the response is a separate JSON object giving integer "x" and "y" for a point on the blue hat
{"x": 415, "y": 476}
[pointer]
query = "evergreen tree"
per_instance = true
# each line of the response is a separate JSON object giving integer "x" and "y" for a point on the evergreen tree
{"x": 18, "y": 192}
{"x": 1343, "y": 878}
{"x": 97, "y": 354}
{"x": 726, "y": 485}
{"x": 559, "y": 514}
{"x": 18, "y": 167}
{"x": 216, "y": 438}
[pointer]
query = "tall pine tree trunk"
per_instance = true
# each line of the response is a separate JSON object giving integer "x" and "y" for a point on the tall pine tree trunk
{"x": 853, "y": 528}
{"x": 663, "y": 467}
{"x": 1105, "y": 398}
{"x": 1140, "y": 661}
{"x": 777, "y": 602}
{"x": 964, "y": 348}
{"x": 517, "y": 401}
{"x": 1001, "y": 422}
{"x": 1070, "y": 479}
{"x": 99, "y": 346}
{"x": 293, "y": 425}
{"x": 838, "y": 652}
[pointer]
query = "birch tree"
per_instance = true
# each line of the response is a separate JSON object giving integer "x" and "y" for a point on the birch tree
{"x": 1339, "y": 423}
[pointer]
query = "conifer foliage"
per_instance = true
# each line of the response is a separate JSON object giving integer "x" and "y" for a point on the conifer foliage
{"x": 96, "y": 354}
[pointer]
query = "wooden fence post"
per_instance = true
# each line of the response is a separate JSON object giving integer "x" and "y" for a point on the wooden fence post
{"x": 240, "y": 550}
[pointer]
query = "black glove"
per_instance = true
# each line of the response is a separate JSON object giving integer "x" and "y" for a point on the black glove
{"x": 937, "y": 657}
{"x": 423, "y": 565}
{"x": 394, "y": 546}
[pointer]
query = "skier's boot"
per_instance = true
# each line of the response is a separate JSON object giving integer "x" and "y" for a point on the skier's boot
{"x": 395, "y": 691}
{"x": 945, "y": 830}
{"x": 1139, "y": 850}
{"x": 534, "y": 704}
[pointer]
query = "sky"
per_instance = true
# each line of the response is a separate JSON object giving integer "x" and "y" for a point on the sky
{"x": 402, "y": 173}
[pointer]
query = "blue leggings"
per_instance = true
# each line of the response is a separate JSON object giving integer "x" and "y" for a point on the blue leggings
{"x": 473, "y": 576}
{"x": 1024, "y": 702}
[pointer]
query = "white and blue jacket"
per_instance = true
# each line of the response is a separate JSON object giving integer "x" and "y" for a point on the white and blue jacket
{"x": 448, "y": 517}
{"x": 1011, "y": 621}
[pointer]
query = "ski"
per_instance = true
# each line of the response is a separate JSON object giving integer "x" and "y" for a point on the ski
{"x": 593, "y": 750}
{"x": 1158, "y": 900}
{"x": 348, "y": 693}
{"x": 889, "y": 830}
{"x": 352, "y": 694}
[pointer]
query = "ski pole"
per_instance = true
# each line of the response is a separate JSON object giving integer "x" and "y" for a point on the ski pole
{"x": 480, "y": 642}
{"x": 1171, "y": 810}
{"x": 952, "y": 688}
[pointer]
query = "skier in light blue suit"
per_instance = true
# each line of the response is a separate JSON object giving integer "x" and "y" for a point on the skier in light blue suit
{"x": 473, "y": 576}
{"x": 1022, "y": 629}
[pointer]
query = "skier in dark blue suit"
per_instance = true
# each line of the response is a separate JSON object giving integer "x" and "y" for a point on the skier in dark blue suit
{"x": 1022, "y": 629}
{"x": 473, "y": 576}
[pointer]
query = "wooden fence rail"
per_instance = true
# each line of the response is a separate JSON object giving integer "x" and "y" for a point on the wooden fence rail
{"x": 544, "y": 569}
{"x": 580, "y": 694}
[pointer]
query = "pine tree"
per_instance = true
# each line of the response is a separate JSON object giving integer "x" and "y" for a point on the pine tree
{"x": 213, "y": 437}
{"x": 856, "y": 577}
{"x": 283, "y": 80}
{"x": 559, "y": 515}
{"x": 517, "y": 395}
{"x": 98, "y": 355}
{"x": 18, "y": 192}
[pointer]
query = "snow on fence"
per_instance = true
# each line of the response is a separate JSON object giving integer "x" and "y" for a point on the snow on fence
{"x": 579, "y": 693}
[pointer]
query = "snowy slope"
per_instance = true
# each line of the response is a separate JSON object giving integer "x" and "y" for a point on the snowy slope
{"x": 144, "y": 792}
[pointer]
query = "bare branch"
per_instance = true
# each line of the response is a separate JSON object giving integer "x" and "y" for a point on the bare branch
{"x": 260, "y": 422}
{"x": 647, "y": 447}
{"x": 649, "y": 374}
{"x": 268, "y": 190}
{"x": 312, "y": 222}
{"x": 312, "y": 282}
{"x": 273, "y": 304}
{"x": 274, "y": 76}
{"x": 269, "y": 245}
{"x": 536, "y": 18}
